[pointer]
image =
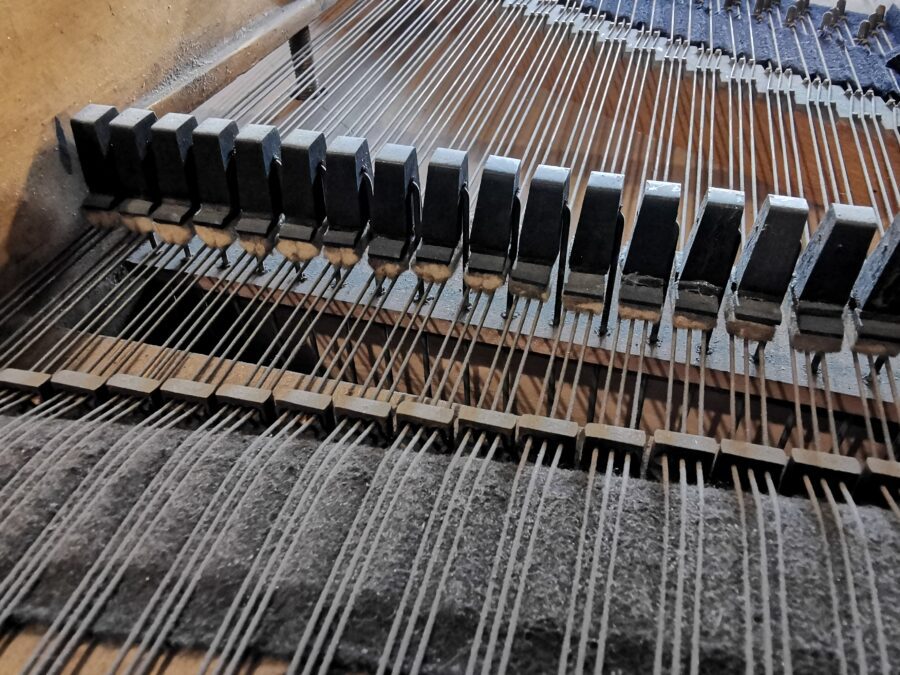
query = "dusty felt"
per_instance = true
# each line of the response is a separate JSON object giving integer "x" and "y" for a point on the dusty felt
{"x": 345, "y": 487}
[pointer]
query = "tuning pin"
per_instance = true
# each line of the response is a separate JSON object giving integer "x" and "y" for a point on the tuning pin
{"x": 827, "y": 20}
{"x": 802, "y": 6}
{"x": 759, "y": 7}
{"x": 840, "y": 8}
{"x": 790, "y": 18}
{"x": 862, "y": 35}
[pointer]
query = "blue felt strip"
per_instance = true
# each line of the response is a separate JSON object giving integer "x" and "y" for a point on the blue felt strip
{"x": 738, "y": 33}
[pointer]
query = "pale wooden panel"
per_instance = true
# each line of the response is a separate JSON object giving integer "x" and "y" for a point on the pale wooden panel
{"x": 56, "y": 56}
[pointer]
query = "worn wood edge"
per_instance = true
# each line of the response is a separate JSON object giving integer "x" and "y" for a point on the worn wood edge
{"x": 97, "y": 656}
{"x": 194, "y": 86}
{"x": 139, "y": 354}
{"x": 655, "y": 366}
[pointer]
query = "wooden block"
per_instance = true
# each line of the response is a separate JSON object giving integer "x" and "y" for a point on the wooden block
{"x": 743, "y": 455}
{"x": 32, "y": 381}
{"x": 554, "y": 431}
{"x": 365, "y": 409}
{"x": 691, "y": 448}
{"x": 832, "y": 468}
{"x": 320, "y": 406}
{"x": 187, "y": 390}
{"x": 491, "y": 422}
{"x": 247, "y": 397}
{"x": 877, "y": 473}
{"x": 133, "y": 385}
{"x": 78, "y": 383}
{"x": 428, "y": 416}
{"x": 620, "y": 441}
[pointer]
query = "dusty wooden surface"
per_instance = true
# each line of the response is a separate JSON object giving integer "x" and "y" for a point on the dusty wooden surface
{"x": 96, "y": 657}
{"x": 58, "y": 56}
